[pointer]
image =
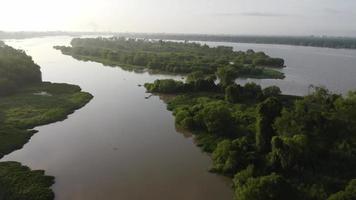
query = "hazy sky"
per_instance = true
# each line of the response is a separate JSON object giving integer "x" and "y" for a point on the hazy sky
{"x": 272, "y": 17}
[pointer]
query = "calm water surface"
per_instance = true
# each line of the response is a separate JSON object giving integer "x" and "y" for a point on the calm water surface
{"x": 331, "y": 68}
{"x": 123, "y": 146}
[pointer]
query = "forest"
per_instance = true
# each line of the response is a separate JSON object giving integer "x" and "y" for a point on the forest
{"x": 16, "y": 70}
{"x": 26, "y": 102}
{"x": 173, "y": 57}
{"x": 273, "y": 146}
{"x": 313, "y": 41}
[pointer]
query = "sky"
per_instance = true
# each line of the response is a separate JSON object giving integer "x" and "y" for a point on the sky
{"x": 241, "y": 17}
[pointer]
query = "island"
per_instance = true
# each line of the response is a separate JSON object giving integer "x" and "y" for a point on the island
{"x": 26, "y": 102}
{"x": 273, "y": 146}
{"x": 174, "y": 57}
{"x": 336, "y": 42}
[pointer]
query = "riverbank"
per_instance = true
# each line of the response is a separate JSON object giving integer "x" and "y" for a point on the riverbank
{"x": 36, "y": 105}
{"x": 263, "y": 140}
{"x": 31, "y": 106}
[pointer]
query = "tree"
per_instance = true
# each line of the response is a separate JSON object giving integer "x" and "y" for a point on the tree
{"x": 233, "y": 93}
{"x": 252, "y": 91}
{"x": 204, "y": 85}
{"x": 230, "y": 156}
{"x": 348, "y": 194}
{"x": 272, "y": 91}
{"x": 184, "y": 119}
{"x": 227, "y": 75}
{"x": 194, "y": 76}
{"x": 16, "y": 70}
{"x": 270, "y": 187}
{"x": 267, "y": 112}
{"x": 165, "y": 86}
{"x": 290, "y": 153}
{"x": 314, "y": 116}
{"x": 242, "y": 176}
{"x": 217, "y": 118}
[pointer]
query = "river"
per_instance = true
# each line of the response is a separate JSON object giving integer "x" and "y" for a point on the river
{"x": 123, "y": 146}
{"x": 334, "y": 69}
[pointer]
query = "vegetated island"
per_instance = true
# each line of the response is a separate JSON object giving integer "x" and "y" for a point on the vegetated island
{"x": 312, "y": 41}
{"x": 273, "y": 146}
{"x": 26, "y": 102}
{"x": 174, "y": 57}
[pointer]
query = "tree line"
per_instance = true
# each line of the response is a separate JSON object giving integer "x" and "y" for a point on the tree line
{"x": 314, "y": 41}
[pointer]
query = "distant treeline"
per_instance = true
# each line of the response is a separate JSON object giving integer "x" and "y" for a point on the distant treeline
{"x": 314, "y": 41}
{"x": 174, "y": 57}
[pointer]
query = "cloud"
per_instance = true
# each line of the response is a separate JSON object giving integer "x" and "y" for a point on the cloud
{"x": 251, "y": 14}
{"x": 333, "y": 11}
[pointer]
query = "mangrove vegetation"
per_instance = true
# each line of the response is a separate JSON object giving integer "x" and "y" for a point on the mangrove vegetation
{"x": 26, "y": 102}
{"x": 273, "y": 146}
{"x": 173, "y": 57}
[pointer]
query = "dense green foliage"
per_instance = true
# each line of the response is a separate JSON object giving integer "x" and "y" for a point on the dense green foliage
{"x": 173, "y": 57}
{"x": 314, "y": 41}
{"x": 16, "y": 70}
{"x": 35, "y": 105}
{"x": 19, "y": 182}
{"x": 26, "y": 102}
{"x": 172, "y": 86}
{"x": 269, "y": 187}
{"x": 347, "y": 194}
{"x": 267, "y": 111}
{"x": 275, "y": 146}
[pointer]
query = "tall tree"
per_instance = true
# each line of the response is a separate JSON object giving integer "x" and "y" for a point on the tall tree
{"x": 267, "y": 112}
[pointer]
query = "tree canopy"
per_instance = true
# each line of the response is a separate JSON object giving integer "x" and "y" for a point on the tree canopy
{"x": 275, "y": 146}
{"x": 173, "y": 57}
{"x": 16, "y": 70}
